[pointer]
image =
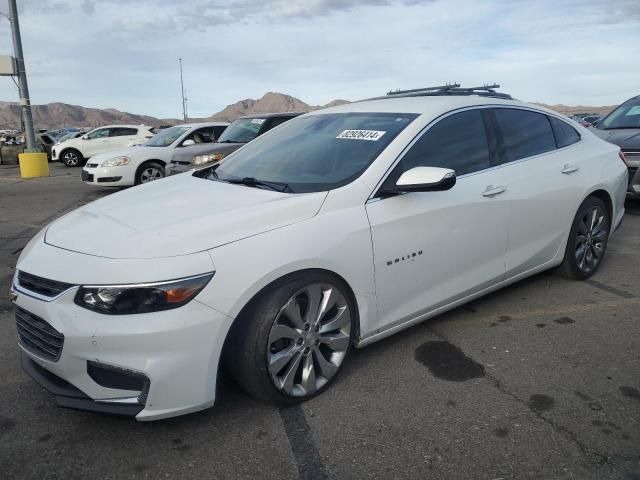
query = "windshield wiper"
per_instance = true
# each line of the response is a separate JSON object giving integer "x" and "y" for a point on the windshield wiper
{"x": 231, "y": 141}
{"x": 253, "y": 182}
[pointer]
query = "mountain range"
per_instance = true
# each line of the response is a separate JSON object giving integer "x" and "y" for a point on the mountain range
{"x": 57, "y": 115}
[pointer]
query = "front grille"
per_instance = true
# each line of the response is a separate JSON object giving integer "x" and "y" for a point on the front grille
{"x": 41, "y": 286}
{"x": 632, "y": 154}
{"x": 632, "y": 174}
{"x": 92, "y": 165}
{"x": 37, "y": 336}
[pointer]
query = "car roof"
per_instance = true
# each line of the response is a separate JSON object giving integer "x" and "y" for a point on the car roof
{"x": 124, "y": 126}
{"x": 203, "y": 124}
{"x": 271, "y": 115}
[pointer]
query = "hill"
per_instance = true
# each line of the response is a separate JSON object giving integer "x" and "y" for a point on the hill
{"x": 57, "y": 115}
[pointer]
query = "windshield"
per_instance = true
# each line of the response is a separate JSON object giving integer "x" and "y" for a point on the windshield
{"x": 242, "y": 130}
{"x": 317, "y": 152}
{"x": 626, "y": 115}
{"x": 166, "y": 137}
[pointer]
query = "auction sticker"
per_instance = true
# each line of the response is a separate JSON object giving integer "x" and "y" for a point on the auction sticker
{"x": 370, "y": 135}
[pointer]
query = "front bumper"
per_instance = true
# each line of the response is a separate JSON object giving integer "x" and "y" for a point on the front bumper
{"x": 177, "y": 351}
{"x": 633, "y": 190}
{"x": 173, "y": 168}
{"x": 105, "y": 177}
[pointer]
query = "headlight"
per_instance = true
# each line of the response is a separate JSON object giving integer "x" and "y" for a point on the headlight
{"x": 208, "y": 158}
{"x": 141, "y": 298}
{"x": 116, "y": 162}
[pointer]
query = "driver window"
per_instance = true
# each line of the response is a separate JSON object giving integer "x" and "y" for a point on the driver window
{"x": 202, "y": 135}
{"x": 458, "y": 142}
{"x": 102, "y": 133}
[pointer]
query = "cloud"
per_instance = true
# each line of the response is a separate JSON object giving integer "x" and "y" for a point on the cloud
{"x": 123, "y": 54}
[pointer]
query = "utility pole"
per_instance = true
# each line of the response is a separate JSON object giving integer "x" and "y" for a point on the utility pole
{"x": 25, "y": 103}
{"x": 184, "y": 100}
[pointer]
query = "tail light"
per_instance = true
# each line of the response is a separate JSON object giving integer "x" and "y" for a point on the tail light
{"x": 623, "y": 158}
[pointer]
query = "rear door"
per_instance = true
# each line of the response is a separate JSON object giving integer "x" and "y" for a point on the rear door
{"x": 544, "y": 180}
{"x": 123, "y": 137}
{"x": 432, "y": 248}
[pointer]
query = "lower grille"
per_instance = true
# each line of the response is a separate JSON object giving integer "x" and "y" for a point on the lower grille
{"x": 86, "y": 176}
{"x": 37, "y": 336}
{"x": 41, "y": 286}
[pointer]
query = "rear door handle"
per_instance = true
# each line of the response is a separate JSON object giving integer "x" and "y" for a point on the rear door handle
{"x": 569, "y": 169}
{"x": 492, "y": 191}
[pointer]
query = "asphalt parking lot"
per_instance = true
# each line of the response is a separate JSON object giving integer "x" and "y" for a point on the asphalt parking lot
{"x": 540, "y": 380}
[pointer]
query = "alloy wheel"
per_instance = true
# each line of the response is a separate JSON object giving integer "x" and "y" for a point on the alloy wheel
{"x": 150, "y": 174}
{"x": 71, "y": 159}
{"x": 309, "y": 339}
{"x": 591, "y": 239}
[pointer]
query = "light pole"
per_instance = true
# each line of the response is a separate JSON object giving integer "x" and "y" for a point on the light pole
{"x": 25, "y": 103}
{"x": 184, "y": 100}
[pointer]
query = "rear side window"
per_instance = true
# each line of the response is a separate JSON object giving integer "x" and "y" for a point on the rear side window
{"x": 565, "y": 134}
{"x": 123, "y": 132}
{"x": 274, "y": 122}
{"x": 458, "y": 142}
{"x": 524, "y": 133}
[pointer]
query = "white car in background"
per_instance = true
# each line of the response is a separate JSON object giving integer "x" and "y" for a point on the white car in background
{"x": 146, "y": 162}
{"x": 75, "y": 151}
{"x": 332, "y": 231}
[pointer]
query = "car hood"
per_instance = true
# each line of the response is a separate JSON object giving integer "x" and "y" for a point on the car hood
{"x": 625, "y": 138}
{"x": 177, "y": 216}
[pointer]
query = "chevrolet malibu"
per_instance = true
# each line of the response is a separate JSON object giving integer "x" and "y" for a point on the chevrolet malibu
{"x": 339, "y": 228}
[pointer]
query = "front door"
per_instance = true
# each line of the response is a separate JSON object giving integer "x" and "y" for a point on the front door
{"x": 432, "y": 248}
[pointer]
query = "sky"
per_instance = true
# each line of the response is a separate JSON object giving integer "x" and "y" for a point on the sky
{"x": 124, "y": 54}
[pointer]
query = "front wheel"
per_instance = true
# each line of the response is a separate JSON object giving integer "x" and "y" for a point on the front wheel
{"x": 71, "y": 158}
{"x": 587, "y": 241}
{"x": 149, "y": 172}
{"x": 290, "y": 344}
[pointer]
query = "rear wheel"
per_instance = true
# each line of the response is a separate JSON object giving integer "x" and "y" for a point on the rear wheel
{"x": 587, "y": 241}
{"x": 290, "y": 344}
{"x": 71, "y": 158}
{"x": 148, "y": 172}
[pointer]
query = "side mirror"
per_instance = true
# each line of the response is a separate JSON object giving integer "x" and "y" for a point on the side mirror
{"x": 426, "y": 179}
{"x": 84, "y": 137}
{"x": 188, "y": 143}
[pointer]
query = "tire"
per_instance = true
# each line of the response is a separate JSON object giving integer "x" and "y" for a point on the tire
{"x": 71, "y": 158}
{"x": 587, "y": 242}
{"x": 285, "y": 358}
{"x": 148, "y": 172}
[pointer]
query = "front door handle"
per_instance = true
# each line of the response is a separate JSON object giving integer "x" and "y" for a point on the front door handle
{"x": 569, "y": 169}
{"x": 492, "y": 191}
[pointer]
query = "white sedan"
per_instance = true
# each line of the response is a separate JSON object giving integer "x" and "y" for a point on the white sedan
{"x": 332, "y": 231}
{"x": 146, "y": 162}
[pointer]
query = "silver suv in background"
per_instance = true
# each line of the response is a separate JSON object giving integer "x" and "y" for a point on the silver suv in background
{"x": 240, "y": 132}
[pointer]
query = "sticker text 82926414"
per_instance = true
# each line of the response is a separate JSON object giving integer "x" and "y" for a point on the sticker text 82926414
{"x": 370, "y": 135}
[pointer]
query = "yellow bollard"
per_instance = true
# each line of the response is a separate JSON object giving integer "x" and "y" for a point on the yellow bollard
{"x": 33, "y": 165}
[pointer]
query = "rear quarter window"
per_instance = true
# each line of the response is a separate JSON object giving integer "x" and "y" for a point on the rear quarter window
{"x": 524, "y": 133}
{"x": 565, "y": 134}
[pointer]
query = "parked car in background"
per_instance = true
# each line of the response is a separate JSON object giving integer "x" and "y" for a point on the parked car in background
{"x": 145, "y": 163}
{"x": 590, "y": 120}
{"x": 335, "y": 230}
{"x": 76, "y": 151}
{"x": 240, "y": 132}
{"x": 622, "y": 127}
{"x": 46, "y": 142}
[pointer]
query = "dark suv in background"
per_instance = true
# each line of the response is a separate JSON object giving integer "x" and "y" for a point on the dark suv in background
{"x": 241, "y": 131}
{"x": 622, "y": 127}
